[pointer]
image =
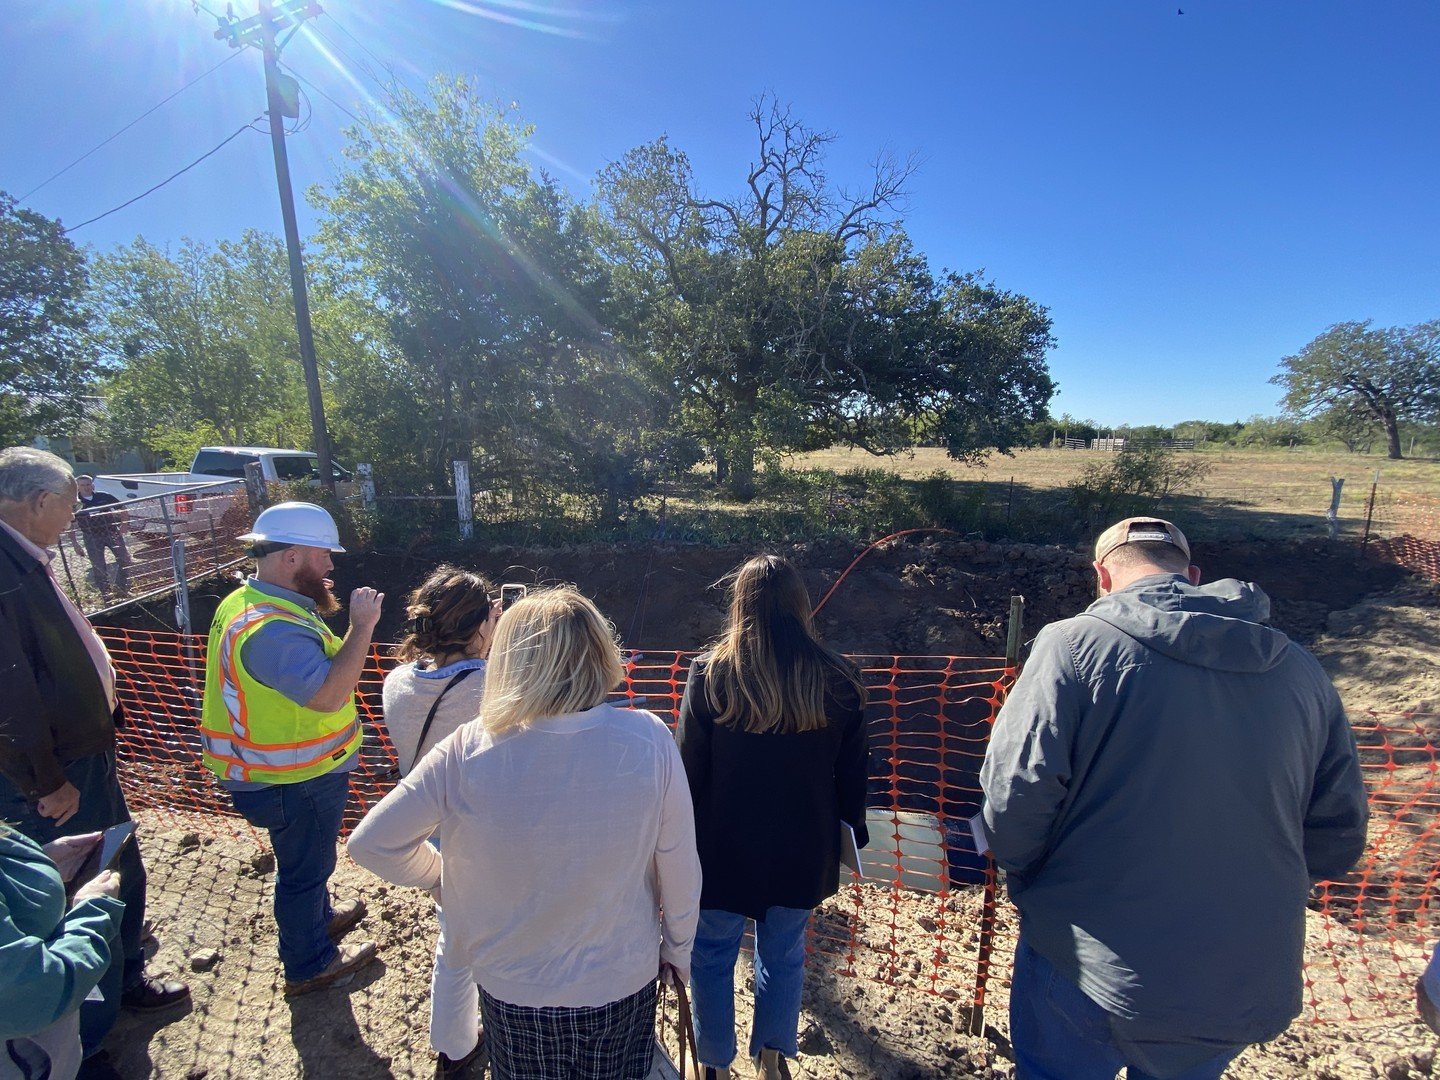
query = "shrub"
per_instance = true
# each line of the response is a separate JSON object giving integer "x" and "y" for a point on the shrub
{"x": 1133, "y": 482}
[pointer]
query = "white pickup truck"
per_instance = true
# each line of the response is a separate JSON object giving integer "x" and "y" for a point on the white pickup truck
{"x": 215, "y": 465}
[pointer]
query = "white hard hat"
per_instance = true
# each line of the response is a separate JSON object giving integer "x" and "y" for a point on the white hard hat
{"x": 299, "y": 523}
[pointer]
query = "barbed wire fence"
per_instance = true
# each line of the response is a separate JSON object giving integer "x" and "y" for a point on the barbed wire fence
{"x": 1403, "y": 527}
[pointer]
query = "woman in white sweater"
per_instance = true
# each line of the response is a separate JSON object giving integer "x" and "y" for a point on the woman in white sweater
{"x": 567, "y": 863}
{"x": 438, "y": 686}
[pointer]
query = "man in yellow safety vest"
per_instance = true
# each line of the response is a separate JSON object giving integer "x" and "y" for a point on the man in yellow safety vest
{"x": 280, "y": 729}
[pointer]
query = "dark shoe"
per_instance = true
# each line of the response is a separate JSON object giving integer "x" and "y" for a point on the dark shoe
{"x": 347, "y": 914}
{"x": 708, "y": 1072}
{"x": 471, "y": 1065}
{"x": 152, "y": 995}
{"x": 1429, "y": 1013}
{"x": 349, "y": 960}
{"x": 771, "y": 1065}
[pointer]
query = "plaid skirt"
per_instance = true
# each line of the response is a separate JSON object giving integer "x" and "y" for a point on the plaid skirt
{"x": 608, "y": 1042}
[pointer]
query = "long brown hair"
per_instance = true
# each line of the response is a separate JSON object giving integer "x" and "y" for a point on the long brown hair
{"x": 443, "y": 614}
{"x": 769, "y": 671}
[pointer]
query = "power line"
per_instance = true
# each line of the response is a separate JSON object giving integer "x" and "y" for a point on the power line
{"x": 322, "y": 93}
{"x": 215, "y": 149}
{"x": 364, "y": 69}
{"x": 127, "y": 127}
{"x": 341, "y": 26}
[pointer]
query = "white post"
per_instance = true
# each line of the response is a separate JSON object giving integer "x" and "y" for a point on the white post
{"x": 462, "y": 499}
{"x": 367, "y": 484}
{"x": 1333, "y": 516}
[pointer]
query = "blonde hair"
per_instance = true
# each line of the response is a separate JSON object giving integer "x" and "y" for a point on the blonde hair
{"x": 770, "y": 672}
{"x": 554, "y": 654}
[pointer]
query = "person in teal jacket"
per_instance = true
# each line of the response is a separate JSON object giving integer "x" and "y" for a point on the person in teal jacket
{"x": 52, "y": 955}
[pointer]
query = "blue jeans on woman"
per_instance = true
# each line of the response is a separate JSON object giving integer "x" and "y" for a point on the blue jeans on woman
{"x": 779, "y": 981}
{"x": 303, "y": 821}
{"x": 1059, "y": 1033}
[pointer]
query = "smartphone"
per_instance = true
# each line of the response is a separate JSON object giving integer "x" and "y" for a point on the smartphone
{"x": 103, "y": 856}
{"x": 509, "y": 594}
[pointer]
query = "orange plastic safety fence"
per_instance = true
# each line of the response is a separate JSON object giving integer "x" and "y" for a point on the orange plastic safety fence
{"x": 923, "y": 915}
{"x": 1405, "y": 528}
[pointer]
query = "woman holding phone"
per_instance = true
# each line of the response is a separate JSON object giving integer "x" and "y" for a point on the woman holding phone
{"x": 437, "y": 687}
{"x": 773, "y": 739}
{"x": 567, "y": 865}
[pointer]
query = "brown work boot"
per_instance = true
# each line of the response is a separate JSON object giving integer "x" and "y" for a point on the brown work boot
{"x": 347, "y": 914}
{"x": 341, "y": 970}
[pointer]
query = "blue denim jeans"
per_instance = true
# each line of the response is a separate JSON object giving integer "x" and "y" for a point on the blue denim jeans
{"x": 101, "y": 805}
{"x": 779, "y": 981}
{"x": 304, "y": 824}
{"x": 1059, "y": 1033}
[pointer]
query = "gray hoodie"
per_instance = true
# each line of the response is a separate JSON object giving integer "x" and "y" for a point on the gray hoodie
{"x": 1165, "y": 782}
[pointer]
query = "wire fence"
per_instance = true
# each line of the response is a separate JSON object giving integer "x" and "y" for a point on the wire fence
{"x": 928, "y": 913}
{"x": 118, "y": 553}
{"x": 1404, "y": 527}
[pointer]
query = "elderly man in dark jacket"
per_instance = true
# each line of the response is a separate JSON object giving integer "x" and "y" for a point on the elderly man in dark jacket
{"x": 57, "y": 715}
{"x": 1164, "y": 784}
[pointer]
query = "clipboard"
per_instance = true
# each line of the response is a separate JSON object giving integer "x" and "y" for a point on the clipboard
{"x": 850, "y": 849}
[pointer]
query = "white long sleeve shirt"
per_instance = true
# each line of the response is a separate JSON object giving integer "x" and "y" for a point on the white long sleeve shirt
{"x": 562, "y": 845}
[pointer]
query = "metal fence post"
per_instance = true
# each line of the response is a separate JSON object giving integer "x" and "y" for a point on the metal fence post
{"x": 165, "y": 517}
{"x": 182, "y": 594}
{"x": 1369, "y": 512}
{"x": 1013, "y": 639}
{"x": 366, "y": 475}
{"x": 463, "y": 504}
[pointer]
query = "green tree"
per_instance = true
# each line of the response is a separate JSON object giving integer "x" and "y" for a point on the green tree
{"x": 1389, "y": 375}
{"x": 1285, "y": 431}
{"x": 45, "y": 371}
{"x": 791, "y": 316}
{"x": 493, "y": 298}
{"x": 200, "y": 346}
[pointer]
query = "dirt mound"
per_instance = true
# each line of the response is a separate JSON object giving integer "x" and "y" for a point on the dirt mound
{"x": 912, "y": 596}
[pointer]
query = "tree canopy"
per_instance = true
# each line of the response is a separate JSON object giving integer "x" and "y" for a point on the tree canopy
{"x": 199, "y": 346}
{"x": 1357, "y": 372}
{"x": 792, "y": 315}
{"x": 45, "y": 371}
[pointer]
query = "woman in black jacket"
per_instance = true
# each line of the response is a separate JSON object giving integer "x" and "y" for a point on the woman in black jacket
{"x": 773, "y": 739}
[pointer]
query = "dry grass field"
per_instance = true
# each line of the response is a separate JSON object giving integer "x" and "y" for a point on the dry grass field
{"x": 1257, "y": 493}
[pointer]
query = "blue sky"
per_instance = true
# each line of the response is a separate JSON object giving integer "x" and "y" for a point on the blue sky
{"x": 1193, "y": 196}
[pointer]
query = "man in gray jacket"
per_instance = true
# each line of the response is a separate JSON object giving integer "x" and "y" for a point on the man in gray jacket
{"x": 1166, "y": 781}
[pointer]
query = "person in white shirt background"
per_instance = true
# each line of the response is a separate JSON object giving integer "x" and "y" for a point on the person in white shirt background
{"x": 567, "y": 865}
{"x": 438, "y": 685}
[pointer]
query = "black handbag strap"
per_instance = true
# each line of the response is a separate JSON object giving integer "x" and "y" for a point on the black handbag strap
{"x": 455, "y": 679}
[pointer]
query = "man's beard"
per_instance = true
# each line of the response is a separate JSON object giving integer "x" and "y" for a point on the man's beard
{"x": 310, "y": 584}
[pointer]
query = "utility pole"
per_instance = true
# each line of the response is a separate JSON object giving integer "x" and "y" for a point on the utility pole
{"x": 261, "y": 30}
